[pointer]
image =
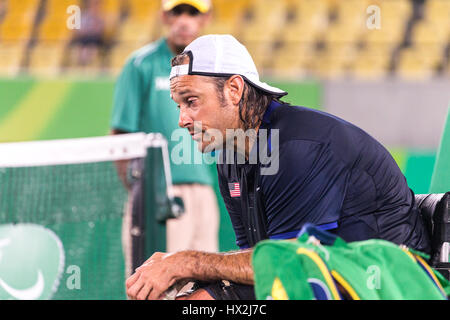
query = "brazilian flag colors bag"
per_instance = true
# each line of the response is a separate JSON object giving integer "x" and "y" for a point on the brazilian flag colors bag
{"x": 319, "y": 265}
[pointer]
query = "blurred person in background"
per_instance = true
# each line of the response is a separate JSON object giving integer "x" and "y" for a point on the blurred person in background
{"x": 142, "y": 103}
{"x": 89, "y": 39}
{"x": 2, "y": 9}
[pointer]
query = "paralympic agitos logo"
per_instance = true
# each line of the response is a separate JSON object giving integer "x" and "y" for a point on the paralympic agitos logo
{"x": 31, "y": 262}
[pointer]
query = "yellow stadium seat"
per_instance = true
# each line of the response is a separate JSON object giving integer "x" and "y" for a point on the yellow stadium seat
{"x": 350, "y": 23}
{"x": 11, "y": 57}
{"x": 413, "y": 64}
{"x": 54, "y": 30}
{"x": 294, "y": 60}
{"x": 221, "y": 28}
{"x": 291, "y": 60}
{"x": 431, "y": 54}
{"x": 119, "y": 55}
{"x": 18, "y": 21}
{"x": 228, "y": 12}
{"x": 143, "y": 9}
{"x": 392, "y": 33}
{"x": 297, "y": 33}
{"x": 334, "y": 60}
{"x": 366, "y": 70}
{"x": 394, "y": 16}
{"x": 342, "y": 33}
{"x": 54, "y": 25}
{"x": 112, "y": 7}
{"x": 11, "y": 30}
{"x": 268, "y": 20}
{"x": 372, "y": 62}
{"x": 429, "y": 31}
{"x": 135, "y": 31}
{"x": 261, "y": 52}
{"x": 309, "y": 20}
{"x": 57, "y": 9}
{"x": 227, "y": 16}
{"x": 46, "y": 58}
{"x": 93, "y": 64}
{"x": 437, "y": 8}
{"x": 142, "y": 24}
{"x": 111, "y": 11}
{"x": 22, "y": 6}
{"x": 395, "y": 8}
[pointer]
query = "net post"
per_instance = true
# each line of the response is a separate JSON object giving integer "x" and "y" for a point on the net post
{"x": 138, "y": 219}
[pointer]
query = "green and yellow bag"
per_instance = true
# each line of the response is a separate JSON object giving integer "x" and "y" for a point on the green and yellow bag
{"x": 319, "y": 265}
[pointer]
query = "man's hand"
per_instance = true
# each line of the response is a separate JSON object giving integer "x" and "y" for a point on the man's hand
{"x": 153, "y": 278}
{"x": 163, "y": 270}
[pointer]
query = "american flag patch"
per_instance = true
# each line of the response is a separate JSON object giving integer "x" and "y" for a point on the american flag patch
{"x": 235, "y": 190}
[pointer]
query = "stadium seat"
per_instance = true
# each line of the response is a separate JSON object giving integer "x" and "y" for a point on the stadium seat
{"x": 350, "y": 22}
{"x": 11, "y": 57}
{"x": 54, "y": 24}
{"x": 46, "y": 59}
{"x": 372, "y": 61}
{"x": 18, "y": 21}
{"x": 335, "y": 60}
{"x": 141, "y": 22}
{"x": 419, "y": 62}
{"x": 430, "y": 32}
{"x": 111, "y": 9}
{"x": 119, "y": 55}
{"x": 308, "y": 20}
{"x": 257, "y": 29}
{"x": 435, "y": 211}
{"x": 227, "y": 16}
{"x": 291, "y": 60}
{"x": 438, "y": 12}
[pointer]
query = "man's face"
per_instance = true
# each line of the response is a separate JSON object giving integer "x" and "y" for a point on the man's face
{"x": 185, "y": 24}
{"x": 202, "y": 111}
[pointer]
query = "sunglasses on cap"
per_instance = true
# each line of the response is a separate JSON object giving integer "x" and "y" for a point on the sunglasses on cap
{"x": 184, "y": 8}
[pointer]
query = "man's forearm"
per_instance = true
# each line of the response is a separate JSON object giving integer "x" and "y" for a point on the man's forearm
{"x": 234, "y": 266}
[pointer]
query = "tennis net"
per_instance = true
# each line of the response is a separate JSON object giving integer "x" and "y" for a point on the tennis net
{"x": 70, "y": 189}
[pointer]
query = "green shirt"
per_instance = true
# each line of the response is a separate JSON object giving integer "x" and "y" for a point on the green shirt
{"x": 142, "y": 103}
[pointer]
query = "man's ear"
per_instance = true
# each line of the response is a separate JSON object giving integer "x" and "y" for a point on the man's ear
{"x": 207, "y": 17}
{"x": 235, "y": 86}
{"x": 163, "y": 15}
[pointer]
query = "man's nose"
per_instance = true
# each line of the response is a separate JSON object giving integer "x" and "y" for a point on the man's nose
{"x": 184, "y": 19}
{"x": 184, "y": 121}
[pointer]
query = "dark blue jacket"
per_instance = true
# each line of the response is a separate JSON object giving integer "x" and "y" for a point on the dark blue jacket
{"x": 331, "y": 173}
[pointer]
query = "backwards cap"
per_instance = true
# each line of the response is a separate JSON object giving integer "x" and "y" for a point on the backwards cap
{"x": 222, "y": 55}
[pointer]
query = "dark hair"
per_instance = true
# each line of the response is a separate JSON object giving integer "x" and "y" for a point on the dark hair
{"x": 253, "y": 104}
{"x": 254, "y": 101}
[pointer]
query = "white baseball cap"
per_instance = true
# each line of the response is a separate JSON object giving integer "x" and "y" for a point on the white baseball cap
{"x": 222, "y": 55}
